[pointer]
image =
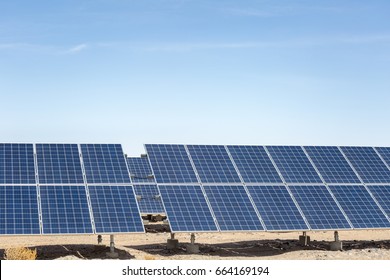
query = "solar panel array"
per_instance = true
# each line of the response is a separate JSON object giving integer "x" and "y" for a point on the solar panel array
{"x": 87, "y": 188}
{"x": 275, "y": 188}
{"x": 66, "y": 189}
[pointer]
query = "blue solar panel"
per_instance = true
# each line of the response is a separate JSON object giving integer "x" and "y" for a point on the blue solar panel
{"x": 19, "y": 210}
{"x": 65, "y": 210}
{"x": 150, "y": 202}
{"x": 170, "y": 164}
{"x": 115, "y": 209}
{"x": 277, "y": 208}
{"x": 17, "y": 164}
{"x": 187, "y": 209}
{"x": 140, "y": 170}
{"x": 233, "y": 208}
{"x": 294, "y": 164}
{"x": 254, "y": 164}
{"x": 319, "y": 208}
{"x": 368, "y": 164}
{"x": 213, "y": 164}
{"x": 59, "y": 164}
{"x": 385, "y": 154}
{"x": 104, "y": 163}
{"x": 359, "y": 206}
{"x": 382, "y": 195}
{"x": 332, "y": 165}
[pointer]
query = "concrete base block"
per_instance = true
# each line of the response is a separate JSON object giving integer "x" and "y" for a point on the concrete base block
{"x": 112, "y": 255}
{"x": 192, "y": 248}
{"x": 172, "y": 244}
{"x": 336, "y": 246}
{"x": 304, "y": 240}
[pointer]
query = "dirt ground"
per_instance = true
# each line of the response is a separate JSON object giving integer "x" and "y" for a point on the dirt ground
{"x": 357, "y": 245}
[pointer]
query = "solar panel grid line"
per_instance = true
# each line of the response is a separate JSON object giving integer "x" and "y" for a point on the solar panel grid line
{"x": 364, "y": 214}
{"x": 368, "y": 164}
{"x": 245, "y": 188}
{"x": 331, "y": 164}
{"x": 165, "y": 159}
{"x": 188, "y": 206}
{"x": 381, "y": 157}
{"x": 329, "y": 190}
{"x": 225, "y": 198}
{"x": 382, "y": 196}
{"x": 36, "y": 168}
{"x": 377, "y": 203}
{"x": 86, "y": 189}
{"x": 253, "y": 164}
{"x": 276, "y": 205}
{"x": 294, "y": 164}
{"x": 202, "y": 188}
{"x": 319, "y": 207}
{"x": 351, "y": 165}
{"x": 288, "y": 189}
{"x": 213, "y": 164}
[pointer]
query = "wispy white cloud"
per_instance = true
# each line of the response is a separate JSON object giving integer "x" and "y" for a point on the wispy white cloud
{"x": 76, "y": 49}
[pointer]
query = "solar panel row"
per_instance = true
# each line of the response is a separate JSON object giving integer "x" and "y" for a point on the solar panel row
{"x": 242, "y": 189}
{"x": 76, "y": 190}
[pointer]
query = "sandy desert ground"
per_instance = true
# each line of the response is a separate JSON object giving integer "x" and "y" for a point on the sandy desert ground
{"x": 357, "y": 245}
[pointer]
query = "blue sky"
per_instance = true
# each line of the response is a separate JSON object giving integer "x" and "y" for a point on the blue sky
{"x": 203, "y": 72}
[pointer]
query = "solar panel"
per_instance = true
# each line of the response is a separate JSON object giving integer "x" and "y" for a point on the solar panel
{"x": 382, "y": 195}
{"x": 170, "y": 164}
{"x": 115, "y": 209}
{"x": 213, "y": 164}
{"x": 332, "y": 165}
{"x": 187, "y": 209}
{"x": 254, "y": 164}
{"x": 293, "y": 164}
{"x": 17, "y": 164}
{"x": 368, "y": 164}
{"x": 319, "y": 208}
{"x": 150, "y": 202}
{"x": 277, "y": 208}
{"x": 65, "y": 210}
{"x": 359, "y": 206}
{"x": 385, "y": 154}
{"x": 104, "y": 163}
{"x": 59, "y": 164}
{"x": 140, "y": 170}
{"x": 19, "y": 210}
{"x": 233, "y": 208}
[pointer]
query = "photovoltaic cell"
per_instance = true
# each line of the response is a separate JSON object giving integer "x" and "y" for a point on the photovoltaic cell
{"x": 105, "y": 163}
{"x": 368, "y": 164}
{"x": 213, "y": 164}
{"x": 150, "y": 202}
{"x": 115, "y": 209}
{"x": 17, "y": 164}
{"x": 382, "y": 195}
{"x": 277, "y": 208}
{"x": 319, "y": 208}
{"x": 65, "y": 210}
{"x": 19, "y": 210}
{"x": 140, "y": 170}
{"x": 233, "y": 208}
{"x": 359, "y": 206}
{"x": 332, "y": 165}
{"x": 254, "y": 164}
{"x": 187, "y": 209}
{"x": 385, "y": 154}
{"x": 294, "y": 164}
{"x": 171, "y": 164}
{"x": 59, "y": 164}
